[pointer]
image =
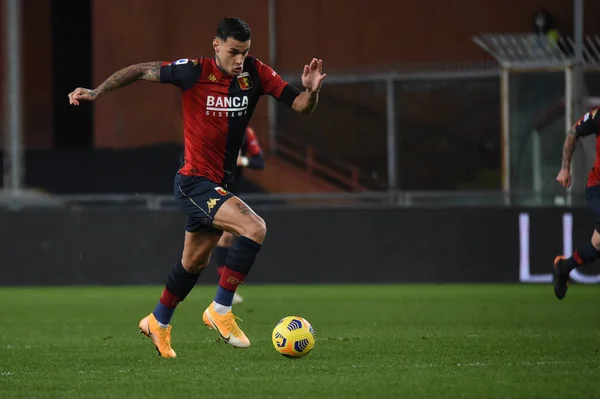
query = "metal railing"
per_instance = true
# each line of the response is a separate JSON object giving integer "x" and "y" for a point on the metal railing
{"x": 315, "y": 163}
{"x": 388, "y": 77}
{"x": 525, "y": 51}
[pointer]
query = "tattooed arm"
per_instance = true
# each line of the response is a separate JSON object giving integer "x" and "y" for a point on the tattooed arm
{"x": 149, "y": 71}
{"x": 568, "y": 149}
{"x": 587, "y": 125}
{"x": 564, "y": 176}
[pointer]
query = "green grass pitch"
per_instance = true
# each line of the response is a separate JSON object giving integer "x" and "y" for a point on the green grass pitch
{"x": 409, "y": 341}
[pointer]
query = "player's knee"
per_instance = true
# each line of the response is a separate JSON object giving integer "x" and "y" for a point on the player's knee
{"x": 195, "y": 263}
{"x": 255, "y": 230}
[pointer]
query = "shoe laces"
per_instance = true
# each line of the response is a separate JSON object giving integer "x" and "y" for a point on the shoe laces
{"x": 166, "y": 334}
{"x": 231, "y": 324}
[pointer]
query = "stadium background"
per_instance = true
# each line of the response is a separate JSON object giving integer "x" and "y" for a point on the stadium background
{"x": 407, "y": 217}
{"x": 104, "y": 171}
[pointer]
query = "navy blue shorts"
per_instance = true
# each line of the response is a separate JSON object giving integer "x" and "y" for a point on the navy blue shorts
{"x": 592, "y": 195}
{"x": 200, "y": 199}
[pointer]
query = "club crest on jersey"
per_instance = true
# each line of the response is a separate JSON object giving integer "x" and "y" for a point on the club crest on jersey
{"x": 221, "y": 191}
{"x": 244, "y": 81}
{"x": 212, "y": 77}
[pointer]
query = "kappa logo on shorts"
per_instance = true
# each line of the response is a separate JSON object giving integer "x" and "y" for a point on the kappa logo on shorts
{"x": 221, "y": 191}
{"x": 211, "y": 203}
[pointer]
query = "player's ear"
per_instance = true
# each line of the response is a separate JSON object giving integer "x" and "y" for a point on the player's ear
{"x": 216, "y": 45}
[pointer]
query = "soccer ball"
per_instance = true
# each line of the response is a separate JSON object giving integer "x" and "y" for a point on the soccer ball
{"x": 293, "y": 337}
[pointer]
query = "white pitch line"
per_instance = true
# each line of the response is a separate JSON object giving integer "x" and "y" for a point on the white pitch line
{"x": 491, "y": 364}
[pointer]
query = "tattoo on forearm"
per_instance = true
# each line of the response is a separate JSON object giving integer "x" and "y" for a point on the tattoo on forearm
{"x": 244, "y": 210}
{"x": 149, "y": 71}
{"x": 568, "y": 149}
{"x": 152, "y": 72}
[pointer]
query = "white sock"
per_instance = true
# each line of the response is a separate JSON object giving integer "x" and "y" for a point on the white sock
{"x": 222, "y": 309}
{"x": 161, "y": 325}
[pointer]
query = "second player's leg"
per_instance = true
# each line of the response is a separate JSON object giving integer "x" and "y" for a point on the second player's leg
{"x": 584, "y": 254}
{"x": 222, "y": 249}
{"x": 226, "y": 240}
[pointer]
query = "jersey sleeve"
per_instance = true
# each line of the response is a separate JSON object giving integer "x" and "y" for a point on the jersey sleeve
{"x": 252, "y": 146}
{"x": 183, "y": 73}
{"x": 588, "y": 124}
{"x": 274, "y": 85}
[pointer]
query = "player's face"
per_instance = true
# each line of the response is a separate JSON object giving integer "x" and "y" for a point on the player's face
{"x": 230, "y": 54}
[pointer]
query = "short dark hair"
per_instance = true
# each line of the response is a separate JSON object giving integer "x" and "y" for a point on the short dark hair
{"x": 235, "y": 28}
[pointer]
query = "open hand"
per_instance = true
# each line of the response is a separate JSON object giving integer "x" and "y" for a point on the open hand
{"x": 312, "y": 76}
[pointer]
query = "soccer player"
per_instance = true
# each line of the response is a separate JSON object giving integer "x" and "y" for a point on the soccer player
{"x": 588, "y": 252}
{"x": 251, "y": 156}
{"x": 219, "y": 94}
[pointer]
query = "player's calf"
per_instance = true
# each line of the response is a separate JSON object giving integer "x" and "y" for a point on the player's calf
{"x": 585, "y": 254}
{"x": 179, "y": 284}
{"x": 235, "y": 216}
{"x": 222, "y": 249}
{"x": 239, "y": 261}
{"x": 218, "y": 315}
{"x": 226, "y": 240}
{"x": 185, "y": 274}
{"x": 195, "y": 258}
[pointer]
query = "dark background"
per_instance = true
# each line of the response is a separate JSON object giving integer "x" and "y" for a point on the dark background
{"x": 350, "y": 36}
{"x": 302, "y": 246}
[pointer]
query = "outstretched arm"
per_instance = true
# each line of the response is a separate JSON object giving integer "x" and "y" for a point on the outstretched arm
{"x": 149, "y": 71}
